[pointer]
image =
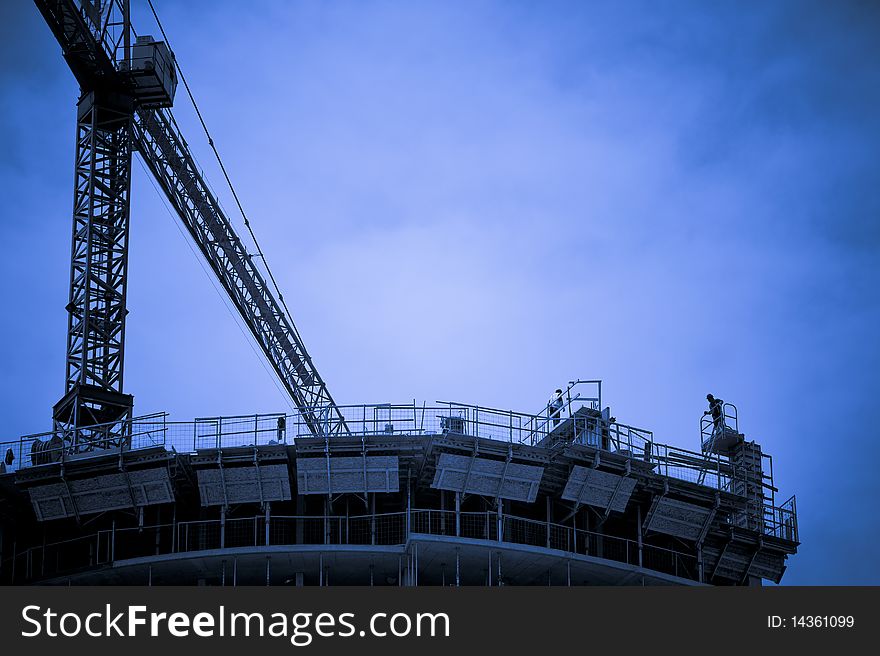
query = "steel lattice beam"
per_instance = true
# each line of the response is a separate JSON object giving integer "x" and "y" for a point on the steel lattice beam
{"x": 99, "y": 264}
{"x": 166, "y": 154}
{"x": 118, "y": 110}
{"x": 99, "y": 258}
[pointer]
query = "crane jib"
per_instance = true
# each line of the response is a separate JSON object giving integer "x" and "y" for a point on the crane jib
{"x": 167, "y": 156}
{"x": 126, "y": 93}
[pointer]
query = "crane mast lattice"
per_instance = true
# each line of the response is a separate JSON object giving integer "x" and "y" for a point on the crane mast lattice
{"x": 126, "y": 92}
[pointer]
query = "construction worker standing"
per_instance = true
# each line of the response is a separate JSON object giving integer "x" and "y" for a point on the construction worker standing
{"x": 716, "y": 409}
{"x": 555, "y": 407}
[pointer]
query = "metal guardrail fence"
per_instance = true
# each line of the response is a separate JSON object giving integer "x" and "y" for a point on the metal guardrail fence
{"x": 707, "y": 469}
{"x": 109, "y": 546}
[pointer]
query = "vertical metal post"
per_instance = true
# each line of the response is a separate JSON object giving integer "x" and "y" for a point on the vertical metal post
{"x": 150, "y": 575}
{"x": 234, "y": 571}
{"x": 699, "y": 563}
{"x": 373, "y": 520}
{"x": 548, "y": 521}
{"x": 126, "y": 34}
{"x": 408, "y": 507}
{"x": 639, "y": 531}
{"x": 268, "y": 519}
{"x": 223, "y": 527}
{"x": 113, "y": 541}
{"x": 458, "y": 514}
{"x": 268, "y": 561}
{"x": 321, "y": 570}
{"x": 457, "y": 568}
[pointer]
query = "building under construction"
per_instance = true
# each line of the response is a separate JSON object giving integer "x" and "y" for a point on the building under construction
{"x": 444, "y": 493}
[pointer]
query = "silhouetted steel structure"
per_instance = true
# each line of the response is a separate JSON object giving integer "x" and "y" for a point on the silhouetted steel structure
{"x": 126, "y": 94}
{"x": 442, "y": 494}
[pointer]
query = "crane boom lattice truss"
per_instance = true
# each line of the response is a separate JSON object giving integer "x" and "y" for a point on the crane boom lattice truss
{"x": 125, "y": 98}
{"x": 165, "y": 153}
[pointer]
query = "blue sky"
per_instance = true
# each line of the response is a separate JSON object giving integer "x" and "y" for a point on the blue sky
{"x": 479, "y": 201}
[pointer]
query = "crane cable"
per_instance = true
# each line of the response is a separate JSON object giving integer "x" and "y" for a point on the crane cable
{"x": 247, "y": 223}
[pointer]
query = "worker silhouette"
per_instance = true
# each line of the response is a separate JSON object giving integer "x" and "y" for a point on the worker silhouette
{"x": 555, "y": 408}
{"x": 716, "y": 409}
{"x": 282, "y": 427}
{"x": 6, "y": 463}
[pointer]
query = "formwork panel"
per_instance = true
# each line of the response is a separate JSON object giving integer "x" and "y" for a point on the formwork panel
{"x": 470, "y": 475}
{"x": 598, "y": 488}
{"x": 679, "y": 518}
{"x": 247, "y": 484}
{"x": 735, "y": 558}
{"x": 348, "y": 474}
{"x": 144, "y": 487}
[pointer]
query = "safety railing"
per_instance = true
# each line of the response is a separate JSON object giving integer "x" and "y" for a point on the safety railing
{"x": 391, "y": 529}
{"x": 712, "y": 428}
{"x": 581, "y": 424}
{"x": 781, "y": 521}
{"x": 64, "y": 445}
{"x": 584, "y": 427}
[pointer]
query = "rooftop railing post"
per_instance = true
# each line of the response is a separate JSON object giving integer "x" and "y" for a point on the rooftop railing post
{"x": 268, "y": 519}
{"x": 639, "y": 531}
{"x": 548, "y": 521}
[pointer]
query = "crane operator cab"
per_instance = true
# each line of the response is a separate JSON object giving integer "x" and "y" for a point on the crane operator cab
{"x": 153, "y": 72}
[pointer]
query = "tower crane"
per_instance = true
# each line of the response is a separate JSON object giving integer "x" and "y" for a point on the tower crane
{"x": 127, "y": 85}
